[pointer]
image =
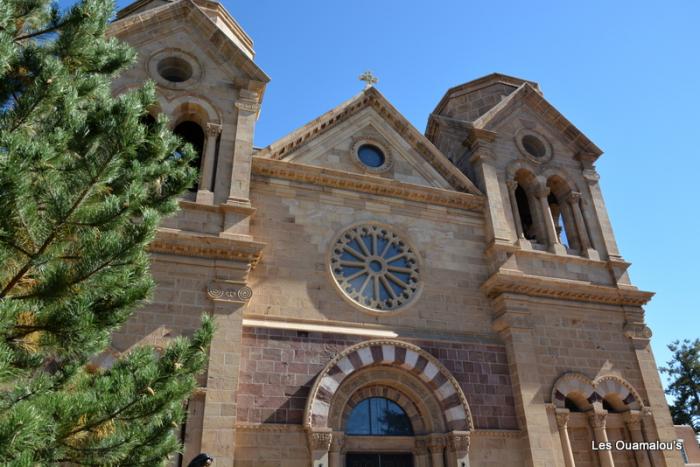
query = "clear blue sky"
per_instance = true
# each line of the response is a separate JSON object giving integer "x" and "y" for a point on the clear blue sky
{"x": 624, "y": 72}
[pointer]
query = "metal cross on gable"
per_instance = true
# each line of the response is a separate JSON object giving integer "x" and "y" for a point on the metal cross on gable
{"x": 369, "y": 79}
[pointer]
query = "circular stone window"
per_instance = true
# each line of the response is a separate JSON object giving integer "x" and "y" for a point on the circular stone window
{"x": 371, "y": 155}
{"x": 375, "y": 268}
{"x": 174, "y": 69}
{"x": 533, "y": 146}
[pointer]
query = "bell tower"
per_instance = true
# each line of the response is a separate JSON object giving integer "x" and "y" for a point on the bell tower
{"x": 561, "y": 299}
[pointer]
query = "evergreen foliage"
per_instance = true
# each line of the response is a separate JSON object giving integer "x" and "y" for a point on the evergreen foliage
{"x": 84, "y": 181}
{"x": 684, "y": 373}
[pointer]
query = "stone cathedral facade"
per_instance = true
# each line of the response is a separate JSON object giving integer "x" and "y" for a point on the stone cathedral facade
{"x": 383, "y": 296}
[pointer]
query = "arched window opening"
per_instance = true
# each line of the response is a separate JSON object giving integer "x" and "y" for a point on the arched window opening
{"x": 192, "y": 133}
{"x": 377, "y": 416}
{"x": 525, "y": 214}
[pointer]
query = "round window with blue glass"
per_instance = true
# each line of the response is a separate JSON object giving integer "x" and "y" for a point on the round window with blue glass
{"x": 375, "y": 268}
{"x": 371, "y": 155}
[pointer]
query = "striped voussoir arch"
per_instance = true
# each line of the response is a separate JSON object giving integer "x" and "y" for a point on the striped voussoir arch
{"x": 408, "y": 357}
{"x": 595, "y": 390}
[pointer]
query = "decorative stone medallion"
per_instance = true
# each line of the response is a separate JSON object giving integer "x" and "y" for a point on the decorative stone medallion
{"x": 375, "y": 268}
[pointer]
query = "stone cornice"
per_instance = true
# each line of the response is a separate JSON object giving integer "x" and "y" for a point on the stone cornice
{"x": 564, "y": 289}
{"x": 365, "y": 183}
{"x": 177, "y": 242}
{"x": 503, "y": 434}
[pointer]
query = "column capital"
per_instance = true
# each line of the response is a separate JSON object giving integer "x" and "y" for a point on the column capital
{"x": 248, "y": 106}
{"x": 213, "y": 129}
{"x": 542, "y": 191}
{"x": 320, "y": 440}
{"x": 573, "y": 197}
{"x": 512, "y": 185}
{"x": 458, "y": 441}
{"x": 597, "y": 418}
{"x": 562, "y": 416}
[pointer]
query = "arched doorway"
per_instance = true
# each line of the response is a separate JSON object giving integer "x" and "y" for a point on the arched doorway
{"x": 390, "y": 404}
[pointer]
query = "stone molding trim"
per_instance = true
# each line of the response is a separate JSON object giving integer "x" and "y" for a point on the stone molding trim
{"x": 176, "y": 242}
{"x": 394, "y": 353}
{"x": 595, "y": 391}
{"x": 565, "y": 289}
{"x": 365, "y": 183}
{"x": 269, "y": 427}
{"x": 370, "y": 97}
{"x": 499, "y": 434}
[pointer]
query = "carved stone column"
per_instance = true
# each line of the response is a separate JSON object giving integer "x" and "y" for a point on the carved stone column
{"x": 319, "y": 445}
{"x": 597, "y": 421}
{"x": 420, "y": 452}
{"x": 574, "y": 200}
{"x": 205, "y": 192}
{"x": 562, "y": 421}
{"x": 512, "y": 186}
{"x": 633, "y": 420}
{"x": 458, "y": 449}
{"x": 550, "y": 230}
{"x": 436, "y": 446}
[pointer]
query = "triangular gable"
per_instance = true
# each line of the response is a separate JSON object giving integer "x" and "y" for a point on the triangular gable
{"x": 366, "y": 112}
{"x": 216, "y": 26}
{"x": 531, "y": 97}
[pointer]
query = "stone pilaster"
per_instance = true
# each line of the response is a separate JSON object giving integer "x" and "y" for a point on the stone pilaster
{"x": 219, "y": 421}
{"x": 609, "y": 245}
{"x": 483, "y": 160}
{"x": 247, "y": 108}
{"x": 514, "y": 326}
{"x": 657, "y": 422}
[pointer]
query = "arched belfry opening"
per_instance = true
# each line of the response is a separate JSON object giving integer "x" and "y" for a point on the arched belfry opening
{"x": 192, "y": 133}
{"x": 387, "y": 403}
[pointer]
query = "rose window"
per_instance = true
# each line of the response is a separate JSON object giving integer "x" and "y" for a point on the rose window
{"x": 375, "y": 267}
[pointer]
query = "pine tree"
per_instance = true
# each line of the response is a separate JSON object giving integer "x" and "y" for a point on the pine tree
{"x": 684, "y": 372}
{"x": 84, "y": 180}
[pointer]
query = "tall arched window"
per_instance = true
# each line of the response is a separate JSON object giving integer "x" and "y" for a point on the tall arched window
{"x": 192, "y": 133}
{"x": 377, "y": 416}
